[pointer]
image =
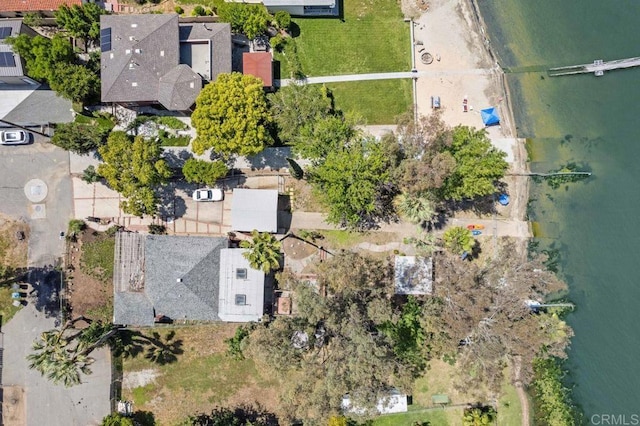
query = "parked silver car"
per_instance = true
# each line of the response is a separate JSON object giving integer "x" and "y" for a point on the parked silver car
{"x": 14, "y": 137}
{"x": 208, "y": 194}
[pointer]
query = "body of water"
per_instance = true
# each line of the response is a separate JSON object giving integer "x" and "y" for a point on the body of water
{"x": 595, "y": 224}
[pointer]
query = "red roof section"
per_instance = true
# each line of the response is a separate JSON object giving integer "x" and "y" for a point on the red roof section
{"x": 259, "y": 65}
{"x": 33, "y": 5}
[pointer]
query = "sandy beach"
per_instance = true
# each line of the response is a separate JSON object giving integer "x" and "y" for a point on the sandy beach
{"x": 464, "y": 67}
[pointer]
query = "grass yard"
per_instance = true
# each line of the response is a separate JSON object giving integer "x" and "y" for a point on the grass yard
{"x": 97, "y": 257}
{"x": 509, "y": 407}
{"x": 202, "y": 377}
{"x": 372, "y": 38}
{"x": 377, "y": 101}
{"x": 13, "y": 255}
{"x": 437, "y": 416}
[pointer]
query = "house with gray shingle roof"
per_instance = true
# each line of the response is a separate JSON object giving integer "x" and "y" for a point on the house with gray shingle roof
{"x": 183, "y": 278}
{"x": 12, "y": 66}
{"x": 154, "y": 59}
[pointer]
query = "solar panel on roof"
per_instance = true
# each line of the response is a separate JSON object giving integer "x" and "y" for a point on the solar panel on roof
{"x": 7, "y": 59}
{"x": 5, "y": 32}
{"x": 105, "y": 39}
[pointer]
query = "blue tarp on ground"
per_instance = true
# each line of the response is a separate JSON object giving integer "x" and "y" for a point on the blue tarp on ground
{"x": 490, "y": 116}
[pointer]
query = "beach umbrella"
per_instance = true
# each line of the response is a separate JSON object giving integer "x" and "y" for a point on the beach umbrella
{"x": 490, "y": 116}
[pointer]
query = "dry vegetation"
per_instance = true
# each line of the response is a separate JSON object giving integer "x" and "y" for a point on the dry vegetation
{"x": 13, "y": 255}
{"x": 203, "y": 377}
{"x": 89, "y": 276}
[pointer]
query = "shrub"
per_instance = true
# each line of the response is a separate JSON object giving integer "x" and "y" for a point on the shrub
{"x": 234, "y": 344}
{"x": 179, "y": 10}
{"x": 32, "y": 19}
{"x": 283, "y": 19}
{"x": 198, "y": 11}
{"x": 76, "y": 226}
{"x": 90, "y": 175}
{"x": 157, "y": 229}
{"x": 172, "y": 123}
{"x": 201, "y": 171}
{"x": 277, "y": 42}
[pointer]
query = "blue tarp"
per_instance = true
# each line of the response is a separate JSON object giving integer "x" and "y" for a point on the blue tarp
{"x": 490, "y": 116}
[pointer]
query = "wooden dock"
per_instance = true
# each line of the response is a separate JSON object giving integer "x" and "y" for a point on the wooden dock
{"x": 598, "y": 67}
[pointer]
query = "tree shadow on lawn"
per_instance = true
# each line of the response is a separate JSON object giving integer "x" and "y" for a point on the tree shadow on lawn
{"x": 158, "y": 350}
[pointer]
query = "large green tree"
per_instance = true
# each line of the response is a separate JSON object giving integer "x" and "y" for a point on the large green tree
{"x": 263, "y": 251}
{"x": 336, "y": 344}
{"x": 135, "y": 169}
{"x": 54, "y": 61}
{"x": 354, "y": 182}
{"x": 248, "y": 19}
{"x": 479, "y": 165}
{"x": 297, "y": 106}
{"x": 81, "y": 21}
{"x": 231, "y": 116}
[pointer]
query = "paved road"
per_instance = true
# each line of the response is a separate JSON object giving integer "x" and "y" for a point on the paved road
{"x": 40, "y": 160}
{"x": 46, "y": 404}
{"x": 384, "y": 76}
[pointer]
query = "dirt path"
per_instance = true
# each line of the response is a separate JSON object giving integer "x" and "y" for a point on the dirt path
{"x": 522, "y": 395}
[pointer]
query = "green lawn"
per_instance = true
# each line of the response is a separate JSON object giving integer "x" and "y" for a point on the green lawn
{"x": 439, "y": 417}
{"x": 372, "y": 38}
{"x": 509, "y": 408}
{"x": 377, "y": 101}
{"x": 97, "y": 257}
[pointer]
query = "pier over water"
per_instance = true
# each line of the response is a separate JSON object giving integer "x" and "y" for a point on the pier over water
{"x": 598, "y": 67}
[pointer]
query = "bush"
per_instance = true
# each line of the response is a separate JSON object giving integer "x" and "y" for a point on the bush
{"x": 277, "y": 42}
{"x": 283, "y": 19}
{"x": 157, "y": 229}
{"x": 77, "y": 137}
{"x": 291, "y": 53}
{"x": 198, "y": 11}
{"x": 90, "y": 175}
{"x": 76, "y": 226}
{"x": 206, "y": 172}
{"x": 234, "y": 344}
{"x": 179, "y": 10}
{"x": 111, "y": 232}
{"x": 172, "y": 123}
{"x": 32, "y": 19}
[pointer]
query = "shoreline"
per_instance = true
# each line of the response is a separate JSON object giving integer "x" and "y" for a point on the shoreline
{"x": 454, "y": 32}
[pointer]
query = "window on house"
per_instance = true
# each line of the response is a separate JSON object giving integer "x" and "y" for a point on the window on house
{"x": 241, "y": 299}
{"x": 241, "y": 273}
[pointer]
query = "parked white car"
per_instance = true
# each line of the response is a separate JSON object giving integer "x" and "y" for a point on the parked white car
{"x": 208, "y": 194}
{"x": 14, "y": 137}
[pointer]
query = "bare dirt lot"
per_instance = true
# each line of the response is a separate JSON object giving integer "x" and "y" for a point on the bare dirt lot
{"x": 13, "y": 406}
{"x": 90, "y": 286}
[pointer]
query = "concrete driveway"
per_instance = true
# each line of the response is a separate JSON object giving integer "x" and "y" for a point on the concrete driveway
{"x": 35, "y": 186}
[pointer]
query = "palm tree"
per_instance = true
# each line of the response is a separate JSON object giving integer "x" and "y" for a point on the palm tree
{"x": 478, "y": 416}
{"x": 62, "y": 355}
{"x": 263, "y": 251}
{"x": 418, "y": 209}
{"x": 458, "y": 240}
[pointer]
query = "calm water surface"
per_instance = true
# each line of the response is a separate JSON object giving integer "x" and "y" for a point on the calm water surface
{"x": 594, "y": 122}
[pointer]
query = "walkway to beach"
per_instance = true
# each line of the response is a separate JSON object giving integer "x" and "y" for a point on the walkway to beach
{"x": 383, "y": 76}
{"x": 497, "y": 227}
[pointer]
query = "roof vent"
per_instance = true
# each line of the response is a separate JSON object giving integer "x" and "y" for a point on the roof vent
{"x": 128, "y": 51}
{"x": 134, "y": 25}
{"x": 134, "y": 84}
{"x": 162, "y": 53}
{"x": 179, "y": 280}
{"x": 137, "y": 50}
{"x": 192, "y": 85}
